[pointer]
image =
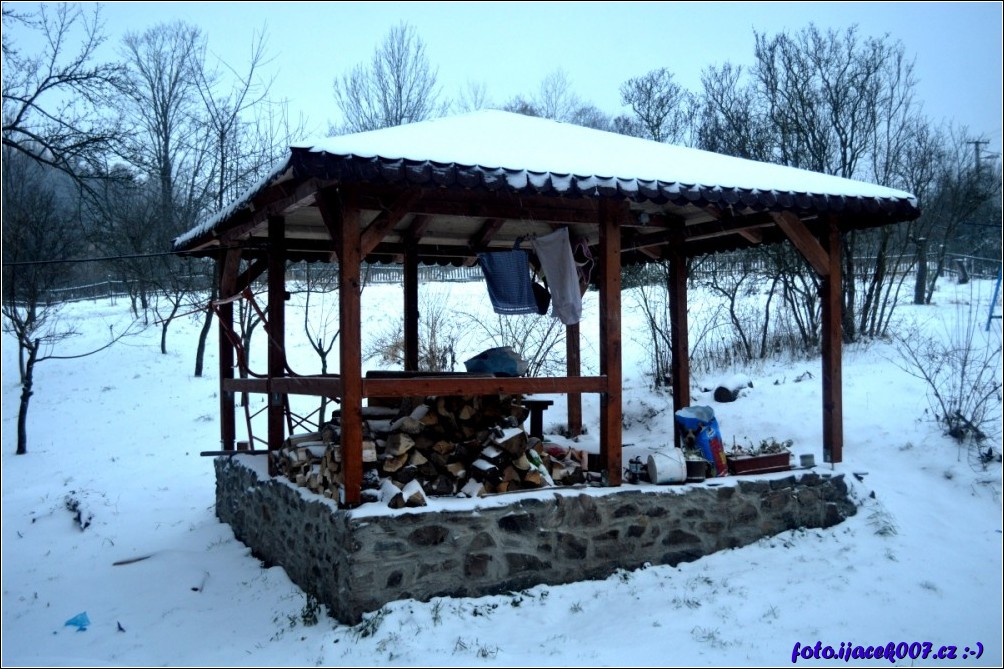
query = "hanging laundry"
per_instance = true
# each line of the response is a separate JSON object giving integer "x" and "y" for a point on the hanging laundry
{"x": 507, "y": 274}
{"x": 561, "y": 272}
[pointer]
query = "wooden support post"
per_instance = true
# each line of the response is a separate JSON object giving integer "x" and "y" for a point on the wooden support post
{"x": 832, "y": 341}
{"x": 679, "y": 334}
{"x": 349, "y": 291}
{"x": 276, "y": 332}
{"x": 610, "y": 341}
{"x": 573, "y": 365}
{"x": 411, "y": 314}
{"x": 227, "y": 266}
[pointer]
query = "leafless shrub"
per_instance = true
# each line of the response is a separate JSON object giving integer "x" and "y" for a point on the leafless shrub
{"x": 962, "y": 370}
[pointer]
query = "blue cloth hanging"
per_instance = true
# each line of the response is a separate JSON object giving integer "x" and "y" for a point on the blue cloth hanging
{"x": 507, "y": 274}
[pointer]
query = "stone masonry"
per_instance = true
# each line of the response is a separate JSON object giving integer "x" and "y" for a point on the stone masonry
{"x": 355, "y": 562}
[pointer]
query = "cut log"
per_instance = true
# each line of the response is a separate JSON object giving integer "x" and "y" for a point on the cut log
{"x": 298, "y": 439}
{"x": 420, "y": 412}
{"x": 405, "y": 474}
{"x": 457, "y": 469}
{"x": 394, "y": 463}
{"x": 330, "y": 434}
{"x": 369, "y": 451}
{"x": 443, "y": 447}
{"x": 399, "y": 443}
{"x": 483, "y": 470}
{"x": 513, "y": 441}
{"x": 391, "y": 495}
{"x": 407, "y": 424}
{"x": 442, "y": 486}
{"x": 492, "y": 454}
{"x": 474, "y": 489}
{"x": 533, "y": 479}
{"x": 414, "y": 495}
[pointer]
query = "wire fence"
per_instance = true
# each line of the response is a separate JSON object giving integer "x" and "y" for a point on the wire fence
{"x": 956, "y": 266}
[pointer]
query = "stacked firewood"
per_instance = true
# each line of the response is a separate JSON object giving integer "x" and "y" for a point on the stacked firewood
{"x": 445, "y": 446}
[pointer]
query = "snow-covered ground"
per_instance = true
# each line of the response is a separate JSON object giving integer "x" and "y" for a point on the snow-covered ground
{"x": 114, "y": 473}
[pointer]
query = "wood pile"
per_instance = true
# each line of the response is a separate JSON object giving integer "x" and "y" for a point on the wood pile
{"x": 467, "y": 446}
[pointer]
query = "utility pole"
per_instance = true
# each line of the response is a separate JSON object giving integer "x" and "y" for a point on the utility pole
{"x": 976, "y": 152}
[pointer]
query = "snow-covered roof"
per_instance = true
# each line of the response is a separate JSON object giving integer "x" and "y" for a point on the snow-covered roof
{"x": 543, "y": 148}
{"x": 501, "y": 151}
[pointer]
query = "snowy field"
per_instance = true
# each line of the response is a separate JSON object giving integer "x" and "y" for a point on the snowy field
{"x": 113, "y": 473}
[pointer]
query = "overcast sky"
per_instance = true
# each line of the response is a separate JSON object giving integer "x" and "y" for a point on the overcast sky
{"x": 511, "y": 46}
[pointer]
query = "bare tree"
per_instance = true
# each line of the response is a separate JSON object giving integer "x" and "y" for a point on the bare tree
{"x": 835, "y": 103}
{"x": 663, "y": 108}
{"x": 57, "y": 104}
{"x": 730, "y": 119}
{"x": 249, "y": 133}
{"x": 163, "y": 66}
{"x": 41, "y": 232}
{"x": 398, "y": 86}
{"x": 556, "y": 100}
{"x": 473, "y": 96}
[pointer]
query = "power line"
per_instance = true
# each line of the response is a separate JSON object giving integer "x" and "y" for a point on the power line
{"x": 134, "y": 256}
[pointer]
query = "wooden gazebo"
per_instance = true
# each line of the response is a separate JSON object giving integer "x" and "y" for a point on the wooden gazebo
{"x": 441, "y": 191}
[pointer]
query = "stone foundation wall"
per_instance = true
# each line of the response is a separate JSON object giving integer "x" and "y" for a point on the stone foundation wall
{"x": 354, "y": 562}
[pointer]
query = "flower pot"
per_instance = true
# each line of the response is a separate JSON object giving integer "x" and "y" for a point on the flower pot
{"x": 759, "y": 464}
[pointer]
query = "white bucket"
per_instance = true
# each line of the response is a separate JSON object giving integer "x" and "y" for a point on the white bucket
{"x": 667, "y": 466}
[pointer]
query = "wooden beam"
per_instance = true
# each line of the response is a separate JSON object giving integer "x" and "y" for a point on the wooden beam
{"x": 485, "y": 234}
{"x": 329, "y": 204}
{"x": 419, "y": 225}
{"x": 349, "y": 291}
{"x": 804, "y": 241}
{"x": 461, "y": 384}
{"x": 832, "y": 342}
{"x": 275, "y": 201}
{"x": 573, "y": 366}
{"x": 611, "y": 411}
{"x": 411, "y": 314}
{"x": 752, "y": 235}
{"x": 254, "y": 270}
{"x": 479, "y": 204}
{"x": 386, "y": 220}
{"x": 227, "y": 267}
{"x": 276, "y": 329}
{"x": 679, "y": 332}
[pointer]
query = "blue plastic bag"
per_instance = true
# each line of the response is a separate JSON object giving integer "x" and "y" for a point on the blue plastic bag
{"x": 80, "y": 621}
{"x": 700, "y": 429}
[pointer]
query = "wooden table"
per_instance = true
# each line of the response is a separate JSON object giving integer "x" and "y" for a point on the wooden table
{"x": 537, "y": 408}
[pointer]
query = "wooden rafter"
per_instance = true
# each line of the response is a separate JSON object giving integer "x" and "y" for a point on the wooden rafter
{"x": 276, "y": 201}
{"x": 492, "y": 205}
{"x": 485, "y": 233}
{"x": 804, "y": 241}
{"x": 329, "y": 203}
{"x": 386, "y": 220}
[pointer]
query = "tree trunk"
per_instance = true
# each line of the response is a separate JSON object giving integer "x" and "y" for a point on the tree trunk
{"x": 200, "y": 351}
{"x": 920, "y": 286}
{"x": 166, "y": 324}
{"x": 869, "y": 311}
{"x": 22, "y": 414}
{"x": 850, "y": 289}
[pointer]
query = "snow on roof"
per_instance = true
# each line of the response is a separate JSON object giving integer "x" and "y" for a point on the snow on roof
{"x": 532, "y": 154}
{"x": 497, "y": 139}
